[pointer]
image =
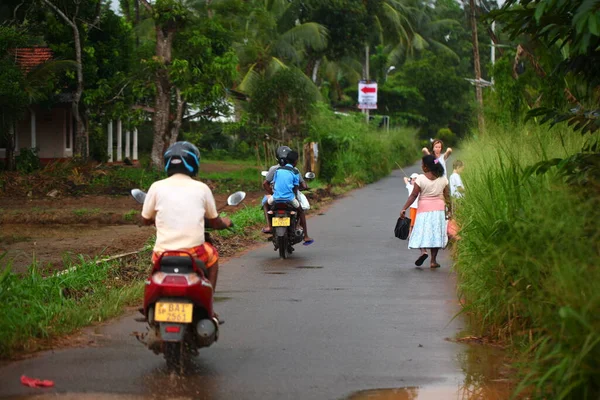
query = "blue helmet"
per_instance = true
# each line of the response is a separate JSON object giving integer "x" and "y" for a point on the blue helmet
{"x": 182, "y": 158}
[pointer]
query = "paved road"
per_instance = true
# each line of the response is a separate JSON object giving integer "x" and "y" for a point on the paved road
{"x": 348, "y": 313}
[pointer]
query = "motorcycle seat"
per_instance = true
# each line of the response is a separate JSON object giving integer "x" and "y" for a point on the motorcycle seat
{"x": 283, "y": 206}
{"x": 182, "y": 263}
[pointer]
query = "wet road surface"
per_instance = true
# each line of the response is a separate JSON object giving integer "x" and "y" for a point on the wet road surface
{"x": 348, "y": 314}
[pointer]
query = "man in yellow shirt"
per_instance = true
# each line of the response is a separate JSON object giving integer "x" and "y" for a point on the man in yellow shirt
{"x": 180, "y": 206}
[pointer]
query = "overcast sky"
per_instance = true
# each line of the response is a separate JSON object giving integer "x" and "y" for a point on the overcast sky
{"x": 114, "y": 4}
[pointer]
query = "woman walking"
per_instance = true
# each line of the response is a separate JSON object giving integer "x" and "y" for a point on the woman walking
{"x": 430, "y": 227}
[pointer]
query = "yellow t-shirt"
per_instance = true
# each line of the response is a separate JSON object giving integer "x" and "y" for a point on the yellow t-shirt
{"x": 179, "y": 205}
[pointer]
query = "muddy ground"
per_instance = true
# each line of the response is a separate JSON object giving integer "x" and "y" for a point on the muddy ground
{"x": 52, "y": 231}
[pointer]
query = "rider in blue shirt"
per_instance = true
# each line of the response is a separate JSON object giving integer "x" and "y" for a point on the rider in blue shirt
{"x": 285, "y": 187}
{"x": 285, "y": 184}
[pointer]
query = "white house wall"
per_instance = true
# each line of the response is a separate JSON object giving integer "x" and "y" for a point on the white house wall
{"x": 50, "y": 133}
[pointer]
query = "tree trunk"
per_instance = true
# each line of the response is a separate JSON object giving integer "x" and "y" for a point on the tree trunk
{"x": 10, "y": 147}
{"x": 478, "y": 88}
{"x": 81, "y": 139}
{"x": 164, "y": 133}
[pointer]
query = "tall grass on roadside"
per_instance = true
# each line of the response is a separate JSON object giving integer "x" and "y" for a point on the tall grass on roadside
{"x": 36, "y": 306}
{"x": 528, "y": 259}
{"x": 355, "y": 153}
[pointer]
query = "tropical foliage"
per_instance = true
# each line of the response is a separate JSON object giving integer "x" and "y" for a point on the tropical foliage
{"x": 526, "y": 264}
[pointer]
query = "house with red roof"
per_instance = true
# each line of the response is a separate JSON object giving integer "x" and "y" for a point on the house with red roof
{"x": 50, "y": 130}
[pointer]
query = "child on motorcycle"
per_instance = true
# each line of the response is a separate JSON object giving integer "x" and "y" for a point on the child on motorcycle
{"x": 281, "y": 154}
{"x": 181, "y": 207}
{"x": 286, "y": 182}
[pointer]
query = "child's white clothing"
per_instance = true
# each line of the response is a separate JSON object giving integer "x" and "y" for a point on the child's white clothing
{"x": 442, "y": 160}
{"x": 410, "y": 187}
{"x": 455, "y": 183}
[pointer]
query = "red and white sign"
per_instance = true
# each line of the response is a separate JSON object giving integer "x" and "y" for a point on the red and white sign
{"x": 367, "y": 95}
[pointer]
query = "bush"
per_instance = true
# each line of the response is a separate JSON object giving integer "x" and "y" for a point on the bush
{"x": 447, "y": 136}
{"x": 28, "y": 160}
{"x": 354, "y": 153}
{"x": 527, "y": 261}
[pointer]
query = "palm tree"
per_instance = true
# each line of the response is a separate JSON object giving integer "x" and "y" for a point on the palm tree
{"x": 392, "y": 28}
{"x": 429, "y": 30}
{"x": 271, "y": 39}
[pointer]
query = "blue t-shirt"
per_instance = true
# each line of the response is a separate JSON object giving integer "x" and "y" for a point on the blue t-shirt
{"x": 284, "y": 183}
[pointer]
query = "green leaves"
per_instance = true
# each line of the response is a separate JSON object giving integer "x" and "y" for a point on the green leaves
{"x": 586, "y": 121}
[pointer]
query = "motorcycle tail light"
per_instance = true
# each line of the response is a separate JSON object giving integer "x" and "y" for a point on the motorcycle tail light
{"x": 162, "y": 278}
{"x": 281, "y": 212}
{"x": 175, "y": 280}
{"x": 158, "y": 277}
{"x": 192, "y": 279}
{"x": 172, "y": 329}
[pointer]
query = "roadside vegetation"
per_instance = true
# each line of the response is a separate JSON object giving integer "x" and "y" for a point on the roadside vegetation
{"x": 355, "y": 155}
{"x": 528, "y": 256}
{"x": 40, "y": 306}
{"x": 527, "y": 261}
{"x": 44, "y": 304}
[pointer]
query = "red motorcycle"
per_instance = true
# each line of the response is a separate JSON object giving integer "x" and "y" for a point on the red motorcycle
{"x": 178, "y": 303}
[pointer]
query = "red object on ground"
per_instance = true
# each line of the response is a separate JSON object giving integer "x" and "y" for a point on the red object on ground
{"x": 35, "y": 383}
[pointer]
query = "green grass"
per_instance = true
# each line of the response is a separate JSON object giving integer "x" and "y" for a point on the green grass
{"x": 131, "y": 215}
{"x": 86, "y": 211}
{"x": 247, "y": 178}
{"x": 527, "y": 262}
{"x": 41, "y": 306}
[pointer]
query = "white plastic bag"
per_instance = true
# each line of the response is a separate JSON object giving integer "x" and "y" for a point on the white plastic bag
{"x": 303, "y": 201}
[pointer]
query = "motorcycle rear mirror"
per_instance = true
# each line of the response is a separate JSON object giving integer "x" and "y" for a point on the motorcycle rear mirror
{"x": 138, "y": 195}
{"x": 236, "y": 198}
{"x": 264, "y": 173}
{"x": 309, "y": 175}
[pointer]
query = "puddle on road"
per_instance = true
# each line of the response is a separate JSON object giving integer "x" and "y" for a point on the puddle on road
{"x": 432, "y": 393}
{"x": 309, "y": 266}
{"x": 275, "y": 273}
{"x": 484, "y": 369}
{"x": 486, "y": 374}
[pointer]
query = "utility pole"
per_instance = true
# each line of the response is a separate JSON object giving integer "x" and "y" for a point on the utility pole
{"x": 478, "y": 88}
{"x": 493, "y": 49}
{"x": 367, "y": 74}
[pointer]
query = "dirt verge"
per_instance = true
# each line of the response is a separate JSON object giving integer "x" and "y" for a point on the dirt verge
{"x": 56, "y": 231}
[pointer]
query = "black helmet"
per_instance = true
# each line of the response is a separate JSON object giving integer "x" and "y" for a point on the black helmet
{"x": 182, "y": 158}
{"x": 282, "y": 152}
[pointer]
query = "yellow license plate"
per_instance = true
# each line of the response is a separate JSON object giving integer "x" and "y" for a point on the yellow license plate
{"x": 173, "y": 312}
{"x": 281, "y": 221}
